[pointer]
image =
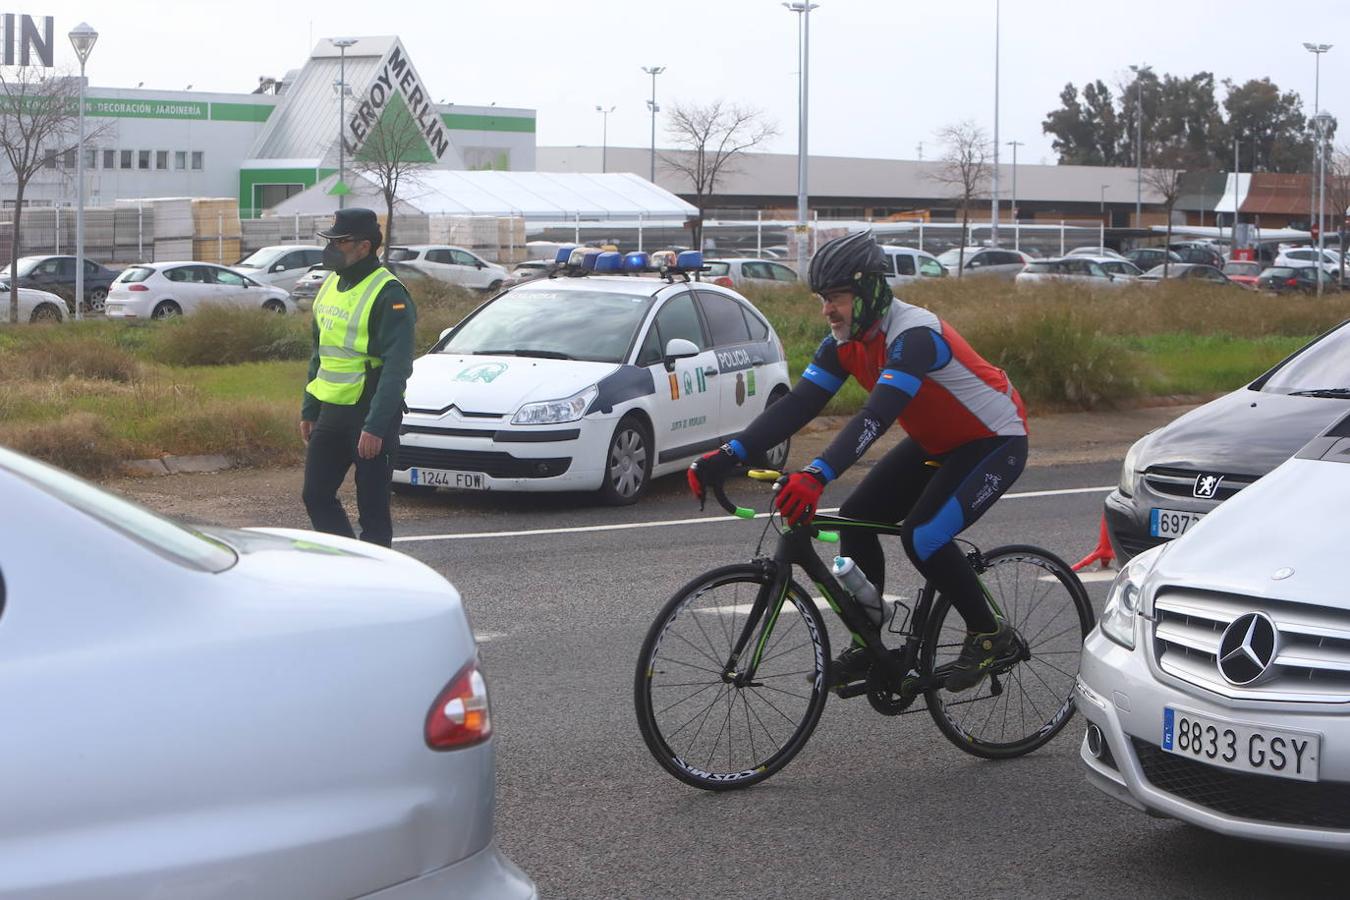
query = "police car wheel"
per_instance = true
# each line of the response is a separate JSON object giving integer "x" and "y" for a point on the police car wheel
{"x": 628, "y": 463}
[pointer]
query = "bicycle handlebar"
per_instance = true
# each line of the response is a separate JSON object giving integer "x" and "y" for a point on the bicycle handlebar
{"x": 719, "y": 492}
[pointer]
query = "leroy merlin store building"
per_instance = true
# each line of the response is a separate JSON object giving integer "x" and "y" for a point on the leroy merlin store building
{"x": 266, "y": 147}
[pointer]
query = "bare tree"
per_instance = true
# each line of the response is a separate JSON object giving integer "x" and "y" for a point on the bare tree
{"x": 1338, "y": 191}
{"x": 39, "y": 122}
{"x": 713, "y": 139}
{"x": 1164, "y": 177}
{"x": 964, "y": 169}
{"x": 394, "y": 154}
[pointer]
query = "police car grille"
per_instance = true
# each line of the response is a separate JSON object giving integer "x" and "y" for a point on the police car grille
{"x": 497, "y": 465}
{"x": 1312, "y": 664}
{"x": 1246, "y": 795}
{"x": 1181, "y": 482}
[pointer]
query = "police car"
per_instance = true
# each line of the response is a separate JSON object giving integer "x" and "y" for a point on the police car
{"x": 612, "y": 371}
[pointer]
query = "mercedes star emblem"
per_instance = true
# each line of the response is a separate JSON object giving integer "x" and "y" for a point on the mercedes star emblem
{"x": 1248, "y": 648}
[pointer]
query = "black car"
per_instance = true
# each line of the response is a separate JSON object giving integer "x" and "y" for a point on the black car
{"x": 1197, "y": 252}
{"x": 1148, "y": 257}
{"x": 1173, "y": 476}
{"x": 57, "y": 275}
{"x": 1290, "y": 280}
{"x": 1186, "y": 272}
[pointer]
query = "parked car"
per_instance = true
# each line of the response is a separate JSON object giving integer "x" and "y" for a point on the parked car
{"x": 287, "y": 714}
{"x": 280, "y": 266}
{"x": 1307, "y": 256}
{"x": 1067, "y": 270}
{"x": 56, "y": 275}
{"x": 1095, "y": 252}
{"x": 1292, "y": 280}
{"x": 162, "y": 290}
{"x": 1172, "y": 477}
{"x": 528, "y": 270}
{"x": 984, "y": 261}
{"x": 453, "y": 264}
{"x": 739, "y": 273}
{"x": 34, "y": 306}
{"x": 909, "y": 265}
{"x": 307, "y": 287}
{"x": 1184, "y": 272}
{"x": 1215, "y": 685}
{"x": 594, "y": 383}
{"x": 1198, "y": 252}
{"x": 1119, "y": 268}
{"x": 1148, "y": 257}
{"x": 1243, "y": 273}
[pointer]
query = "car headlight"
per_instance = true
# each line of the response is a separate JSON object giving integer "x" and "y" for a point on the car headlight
{"x": 552, "y": 412}
{"x": 1127, "y": 472}
{"x": 1124, "y": 599}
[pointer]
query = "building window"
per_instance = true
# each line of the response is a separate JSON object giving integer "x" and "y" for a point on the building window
{"x": 180, "y": 159}
{"x": 161, "y": 159}
{"x": 68, "y": 158}
{"x": 109, "y": 159}
{"x": 90, "y": 158}
{"x": 143, "y": 159}
{"x": 124, "y": 159}
{"x": 197, "y": 160}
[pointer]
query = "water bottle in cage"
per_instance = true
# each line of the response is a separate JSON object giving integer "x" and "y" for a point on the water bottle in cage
{"x": 856, "y": 583}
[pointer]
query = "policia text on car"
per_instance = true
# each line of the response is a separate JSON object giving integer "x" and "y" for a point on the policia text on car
{"x": 353, "y": 403}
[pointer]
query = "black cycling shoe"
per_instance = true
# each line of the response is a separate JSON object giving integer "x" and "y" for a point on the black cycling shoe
{"x": 849, "y": 666}
{"x": 980, "y": 651}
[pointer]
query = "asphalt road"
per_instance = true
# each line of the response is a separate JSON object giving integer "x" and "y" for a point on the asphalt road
{"x": 872, "y": 807}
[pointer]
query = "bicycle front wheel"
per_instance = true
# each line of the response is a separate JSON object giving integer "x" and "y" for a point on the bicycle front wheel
{"x": 1048, "y": 607}
{"x": 702, "y": 727}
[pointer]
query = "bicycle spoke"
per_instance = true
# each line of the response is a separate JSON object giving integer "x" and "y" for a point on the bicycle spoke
{"x": 807, "y": 643}
{"x": 779, "y": 690}
{"x": 707, "y": 638}
{"x": 1073, "y": 626}
{"x": 688, "y": 698}
{"x": 1037, "y": 659}
{"x": 749, "y": 729}
{"x": 707, "y": 712}
{"x": 697, "y": 649}
{"x": 1030, "y": 699}
{"x": 765, "y": 728}
{"x": 774, "y": 706}
{"x": 680, "y": 662}
{"x": 687, "y": 722}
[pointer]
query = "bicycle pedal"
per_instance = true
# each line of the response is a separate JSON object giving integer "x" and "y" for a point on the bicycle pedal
{"x": 846, "y": 691}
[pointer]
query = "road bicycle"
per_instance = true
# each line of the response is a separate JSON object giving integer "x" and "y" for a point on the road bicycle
{"x": 735, "y": 670}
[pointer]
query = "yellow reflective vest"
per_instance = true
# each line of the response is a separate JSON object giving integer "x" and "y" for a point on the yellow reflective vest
{"x": 343, "y": 319}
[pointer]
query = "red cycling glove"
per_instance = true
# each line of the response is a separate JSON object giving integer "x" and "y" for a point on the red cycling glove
{"x": 711, "y": 468}
{"x": 799, "y": 497}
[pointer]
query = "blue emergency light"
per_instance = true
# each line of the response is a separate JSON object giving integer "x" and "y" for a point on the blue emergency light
{"x": 563, "y": 255}
{"x": 588, "y": 261}
{"x": 689, "y": 260}
{"x": 608, "y": 262}
{"x": 636, "y": 262}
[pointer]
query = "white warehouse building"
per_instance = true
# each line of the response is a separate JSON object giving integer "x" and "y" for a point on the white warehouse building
{"x": 266, "y": 147}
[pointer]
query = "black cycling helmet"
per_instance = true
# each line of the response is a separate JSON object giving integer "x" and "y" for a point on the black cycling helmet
{"x": 854, "y": 261}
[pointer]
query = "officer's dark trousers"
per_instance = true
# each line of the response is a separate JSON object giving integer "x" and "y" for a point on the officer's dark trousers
{"x": 331, "y": 452}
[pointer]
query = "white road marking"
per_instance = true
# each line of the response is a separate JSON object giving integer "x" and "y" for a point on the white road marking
{"x": 698, "y": 520}
{"x": 483, "y": 637}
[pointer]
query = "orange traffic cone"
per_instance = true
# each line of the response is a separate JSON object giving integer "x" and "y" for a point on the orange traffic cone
{"x": 1102, "y": 553}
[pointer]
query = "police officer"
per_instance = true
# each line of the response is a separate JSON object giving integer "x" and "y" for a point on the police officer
{"x": 353, "y": 403}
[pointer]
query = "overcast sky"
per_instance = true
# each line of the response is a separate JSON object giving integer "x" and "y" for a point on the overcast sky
{"x": 885, "y": 74}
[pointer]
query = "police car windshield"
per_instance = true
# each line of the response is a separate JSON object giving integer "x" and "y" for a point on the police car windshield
{"x": 550, "y": 322}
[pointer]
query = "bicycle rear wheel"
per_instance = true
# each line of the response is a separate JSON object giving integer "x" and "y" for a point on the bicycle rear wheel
{"x": 1046, "y": 603}
{"x": 704, "y": 729}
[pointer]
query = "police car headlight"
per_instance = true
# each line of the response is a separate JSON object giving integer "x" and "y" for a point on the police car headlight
{"x": 553, "y": 412}
{"x": 1128, "y": 476}
{"x": 1126, "y": 596}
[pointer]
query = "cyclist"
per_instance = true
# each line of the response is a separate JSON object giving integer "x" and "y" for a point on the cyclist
{"x": 966, "y": 441}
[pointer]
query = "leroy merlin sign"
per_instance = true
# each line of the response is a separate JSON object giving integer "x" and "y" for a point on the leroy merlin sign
{"x": 397, "y": 77}
{"x": 26, "y": 40}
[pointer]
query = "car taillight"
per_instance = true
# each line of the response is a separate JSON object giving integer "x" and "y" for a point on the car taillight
{"x": 137, "y": 287}
{"x": 1291, "y": 282}
{"x": 723, "y": 281}
{"x": 460, "y": 716}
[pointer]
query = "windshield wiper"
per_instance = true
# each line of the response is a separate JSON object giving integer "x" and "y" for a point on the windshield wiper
{"x": 537, "y": 354}
{"x": 1322, "y": 392}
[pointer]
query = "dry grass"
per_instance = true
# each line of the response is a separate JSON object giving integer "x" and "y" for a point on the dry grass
{"x": 439, "y": 306}
{"x": 82, "y": 442}
{"x": 219, "y": 336}
{"x": 56, "y": 356}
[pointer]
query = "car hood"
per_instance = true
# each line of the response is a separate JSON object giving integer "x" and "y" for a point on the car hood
{"x": 496, "y": 384}
{"x": 1231, "y": 549}
{"x": 1245, "y": 432}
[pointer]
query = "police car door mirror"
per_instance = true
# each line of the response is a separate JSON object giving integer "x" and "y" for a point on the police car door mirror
{"x": 679, "y": 348}
{"x": 445, "y": 333}
{"x": 278, "y": 267}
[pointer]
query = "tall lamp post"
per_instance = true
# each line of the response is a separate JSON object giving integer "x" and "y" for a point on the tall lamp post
{"x": 993, "y": 210}
{"x": 803, "y": 9}
{"x": 1139, "y": 72}
{"x": 604, "y": 135}
{"x": 82, "y": 38}
{"x": 342, "y": 44}
{"x": 1012, "y": 210}
{"x": 1323, "y": 122}
{"x": 1316, "y": 50}
{"x": 651, "y": 105}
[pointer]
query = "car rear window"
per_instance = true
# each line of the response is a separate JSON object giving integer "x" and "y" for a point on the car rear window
{"x": 1039, "y": 268}
{"x": 1279, "y": 272}
{"x": 717, "y": 268}
{"x": 135, "y": 274}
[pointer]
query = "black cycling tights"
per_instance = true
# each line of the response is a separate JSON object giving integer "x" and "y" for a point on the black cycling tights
{"x": 937, "y": 503}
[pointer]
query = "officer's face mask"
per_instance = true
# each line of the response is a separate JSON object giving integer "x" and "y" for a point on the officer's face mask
{"x": 334, "y": 257}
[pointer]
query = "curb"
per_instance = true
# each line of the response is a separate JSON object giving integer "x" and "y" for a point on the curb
{"x": 177, "y": 465}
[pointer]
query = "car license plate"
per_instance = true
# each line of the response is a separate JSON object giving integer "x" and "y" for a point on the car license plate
{"x": 1171, "y": 523}
{"x": 470, "y": 481}
{"x": 1245, "y": 748}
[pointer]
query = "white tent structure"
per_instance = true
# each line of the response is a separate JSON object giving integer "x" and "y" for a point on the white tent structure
{"x": 537, "y": 197}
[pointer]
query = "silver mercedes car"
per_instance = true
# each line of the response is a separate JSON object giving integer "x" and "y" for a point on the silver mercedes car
{"x": 1216, "y": 686}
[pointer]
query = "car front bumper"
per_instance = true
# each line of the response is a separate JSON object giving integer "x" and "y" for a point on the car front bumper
{"x": 1121, "y": 694}
{"x": 1128, "y": 519}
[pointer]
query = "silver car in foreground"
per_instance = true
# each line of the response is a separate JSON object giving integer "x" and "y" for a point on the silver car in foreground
{"x": 222, "y": 713}
{"x": 1217, "y": 684}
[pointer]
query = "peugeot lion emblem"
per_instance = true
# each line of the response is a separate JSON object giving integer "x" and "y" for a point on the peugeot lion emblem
{"x": 1206, "y": 486}
{"x": 1248, "y": 648}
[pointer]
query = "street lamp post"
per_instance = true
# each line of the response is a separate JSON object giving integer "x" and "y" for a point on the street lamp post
{"x": 993, "y": 212}
{"x": 604, "y": 136}
{"x": 1012, "y": 209}
{"x": 82, "y": 38}
{"x": 1323, "y": 122}
{"x": 651, "y": 104}
{"x": 1316, "y": 50}
{"x": 342, "y": 44}
{"x": 803, "y": 9}
{"x": 1139, "y": 72}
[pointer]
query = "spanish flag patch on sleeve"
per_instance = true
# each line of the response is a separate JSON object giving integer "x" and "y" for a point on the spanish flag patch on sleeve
{"x": 399, "y": 306}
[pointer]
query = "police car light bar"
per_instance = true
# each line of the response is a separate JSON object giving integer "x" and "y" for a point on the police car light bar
{"x": 608, "y": 262}
{"x": 636, "y": 262}
{"x": 689, "y": 261}
{"x": 563, "y": 255}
